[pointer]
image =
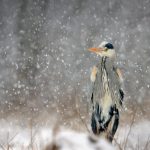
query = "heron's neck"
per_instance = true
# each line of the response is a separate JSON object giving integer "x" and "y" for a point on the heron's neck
{"x": 107, "y": 60}
{"x": 104, "y": 59}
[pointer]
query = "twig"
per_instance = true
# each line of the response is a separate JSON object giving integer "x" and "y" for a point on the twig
{"x": 147, "y": 143}
{"x": 79, "y": 113}
{"x": 132, "y": 122}
{"x": 13, "y": 138}
{"x": 2, "y": 146}
{"x": 120, "y": 148}
{"x": 32, "y": 134}
{"x": 138, "y": 144}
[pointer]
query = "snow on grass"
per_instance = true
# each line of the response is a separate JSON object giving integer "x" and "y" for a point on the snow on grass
{"x": 136, "y": 136}
{"x": 70, "y": 140}
{"x": 17, "y": 138}
{"x": 23, "y": 138}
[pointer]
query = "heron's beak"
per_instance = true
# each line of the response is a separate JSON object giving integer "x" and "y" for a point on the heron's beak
{"x": 96, "y": 49}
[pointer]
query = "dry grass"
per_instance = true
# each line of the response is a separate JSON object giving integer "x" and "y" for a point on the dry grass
{"x": 10, "y": 145}
{"x": 83, "y": 125}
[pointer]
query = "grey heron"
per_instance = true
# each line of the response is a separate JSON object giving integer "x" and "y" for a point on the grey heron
{"x": 107, "y": 94}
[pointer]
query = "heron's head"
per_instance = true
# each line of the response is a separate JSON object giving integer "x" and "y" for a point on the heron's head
{"x": 105, "y": 49}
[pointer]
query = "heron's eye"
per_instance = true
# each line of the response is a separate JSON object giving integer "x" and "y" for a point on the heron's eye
{"x": 109, "y": 46}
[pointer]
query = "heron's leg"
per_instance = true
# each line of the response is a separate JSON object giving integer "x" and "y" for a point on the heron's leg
{"x": 96, "y": 119}
{"x": 115, "y": 124}
{"x": 116, "y": 121}
{"x": 110, "y": 115}
{"x": 110, "y": 125}
{"x": 94, "y": 123}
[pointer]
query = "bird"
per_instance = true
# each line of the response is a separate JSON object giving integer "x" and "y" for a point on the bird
{"x": 107, "y": 93}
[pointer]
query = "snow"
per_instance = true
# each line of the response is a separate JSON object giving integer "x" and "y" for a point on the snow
{"x": 65, "y": 139}
{"x": 45, "y": 65}
{"x": 79, "y": 141}
{"x": 139, "y": 134}
{"x": 19, "y": 138}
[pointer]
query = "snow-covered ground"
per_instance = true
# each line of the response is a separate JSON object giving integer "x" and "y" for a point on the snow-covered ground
{"x": 17, "y": 138}
{"x": 45, "y": 138}
{"x": 135, "y": 136}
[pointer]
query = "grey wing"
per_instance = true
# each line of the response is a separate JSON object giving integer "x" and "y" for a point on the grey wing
{"x": 97, "y": 90}
{"x": 115, "y": 88}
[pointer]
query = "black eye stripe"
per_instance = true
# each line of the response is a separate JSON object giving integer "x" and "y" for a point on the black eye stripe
{"x": 109, "y": 46}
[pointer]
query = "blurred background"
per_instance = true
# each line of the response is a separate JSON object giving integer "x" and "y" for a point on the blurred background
{"x": 44, "y": 62}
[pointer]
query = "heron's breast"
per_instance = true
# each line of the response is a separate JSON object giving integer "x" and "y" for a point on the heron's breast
{"x": 106, "y": 99}
{"x": 105, "y": 81}
{"x": 106, "y": 103}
